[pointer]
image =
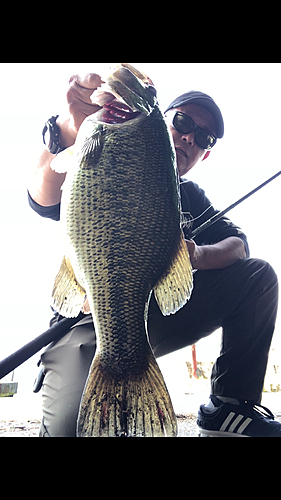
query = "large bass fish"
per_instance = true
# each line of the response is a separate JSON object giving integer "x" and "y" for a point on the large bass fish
{"x": 121, "y": 217}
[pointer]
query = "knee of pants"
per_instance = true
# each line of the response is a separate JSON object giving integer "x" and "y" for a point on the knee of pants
{"x": 269, "y": 276}
{"x": 261, "y": 289}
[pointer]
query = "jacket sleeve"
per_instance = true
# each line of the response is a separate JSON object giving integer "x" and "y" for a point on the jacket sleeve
{"x": 45, "y": 212}
{"x": 197, "y": 202}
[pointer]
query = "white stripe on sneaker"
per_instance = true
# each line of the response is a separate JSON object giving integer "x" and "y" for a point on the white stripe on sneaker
{"x": 235, "y": 424}
{"x": 244, "y": 426}
{"x": 227, "y": 421}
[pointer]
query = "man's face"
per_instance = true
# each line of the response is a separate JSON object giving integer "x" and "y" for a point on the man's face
{"x": 188, "y": 152}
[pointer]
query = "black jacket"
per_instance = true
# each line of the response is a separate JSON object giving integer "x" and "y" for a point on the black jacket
{"x": 194, "y": 204}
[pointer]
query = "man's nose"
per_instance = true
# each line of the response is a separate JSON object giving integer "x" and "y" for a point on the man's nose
{"x": 190, "y": 138}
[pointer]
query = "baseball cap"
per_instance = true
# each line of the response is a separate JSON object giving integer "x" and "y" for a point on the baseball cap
{"x": 205, "y": 101}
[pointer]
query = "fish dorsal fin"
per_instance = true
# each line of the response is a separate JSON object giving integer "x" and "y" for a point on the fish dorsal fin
{"x": 68, "y": 296}
{"x": 174, "y": 289}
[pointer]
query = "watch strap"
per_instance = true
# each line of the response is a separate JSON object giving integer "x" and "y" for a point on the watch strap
{"x": 54, "y": 145}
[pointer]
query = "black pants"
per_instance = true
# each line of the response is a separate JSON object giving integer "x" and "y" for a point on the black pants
{"x": 242, "y": 299}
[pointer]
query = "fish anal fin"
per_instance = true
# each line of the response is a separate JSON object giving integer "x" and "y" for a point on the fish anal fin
{"x": 68, "y": 296}
{"x": 133, "y": 406}
{"x": 174, "y": 289}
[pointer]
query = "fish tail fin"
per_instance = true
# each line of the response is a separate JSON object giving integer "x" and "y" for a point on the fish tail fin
{"x": 137, "y": 406}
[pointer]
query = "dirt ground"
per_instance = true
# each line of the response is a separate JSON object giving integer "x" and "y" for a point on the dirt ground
{"x": 186, "y": 423}
{"x": 19, "y": 429}
{"x": 187, "y": 428}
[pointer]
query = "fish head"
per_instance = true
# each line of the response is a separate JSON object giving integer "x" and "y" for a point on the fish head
{"x": 134, "y": 88}
{"x": 128, "y": 86}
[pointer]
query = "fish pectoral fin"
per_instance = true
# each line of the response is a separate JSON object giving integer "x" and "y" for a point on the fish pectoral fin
{"x": 93, "y": 145}
{"x": 68, "y": 296}
{"x": 129, "y": 406}
{"x": 174, "y": 289}
{"x": 63, "y": 160}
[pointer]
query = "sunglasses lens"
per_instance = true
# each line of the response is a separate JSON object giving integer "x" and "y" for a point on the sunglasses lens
{"x": 205, "y": 140}
{"x": 183, "y": 124}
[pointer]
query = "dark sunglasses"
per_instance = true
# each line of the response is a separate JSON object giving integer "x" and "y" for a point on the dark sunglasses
{"x": 185, "y": 125}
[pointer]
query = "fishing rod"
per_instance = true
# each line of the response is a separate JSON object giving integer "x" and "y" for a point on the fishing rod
{"x": 55, "y": 333}
{"x": 220, "y": 215}
{"x": 59, "y": 330}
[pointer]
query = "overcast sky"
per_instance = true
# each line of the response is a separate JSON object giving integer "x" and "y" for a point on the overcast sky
{"x": 249, "y": 98}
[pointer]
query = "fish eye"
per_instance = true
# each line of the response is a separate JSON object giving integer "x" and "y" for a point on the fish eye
{"x": 152, "y": 90}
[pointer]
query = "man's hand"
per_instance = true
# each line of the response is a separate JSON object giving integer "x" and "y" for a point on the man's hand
{"x": 195, "y": 254}
{"x": 79, "y": 105}
{"x": 45, "y": 184}
{"x": 218, "y": 256}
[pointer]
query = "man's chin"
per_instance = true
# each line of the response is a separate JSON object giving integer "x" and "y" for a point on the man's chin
{"x": 183, "y": 170}
{"x": 183, "y": 166}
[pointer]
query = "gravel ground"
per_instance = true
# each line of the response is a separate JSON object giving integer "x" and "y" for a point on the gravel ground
{"x": 20, "y": 416}
{"x": 187, "y": 427}
{"x": 19, "y": 429}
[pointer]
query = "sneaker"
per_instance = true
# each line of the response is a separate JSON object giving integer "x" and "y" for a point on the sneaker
{"x": 229, "y": 420}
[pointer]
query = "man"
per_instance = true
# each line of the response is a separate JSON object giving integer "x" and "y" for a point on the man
{"x": 230, "y": 290}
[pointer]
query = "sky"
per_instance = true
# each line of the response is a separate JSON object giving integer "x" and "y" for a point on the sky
{"x": 250, "y": 100}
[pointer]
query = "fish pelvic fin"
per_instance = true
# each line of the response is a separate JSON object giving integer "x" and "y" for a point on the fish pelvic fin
{"x": 174, "y": 289}
{"x": 63, "y": 161}
{"x": 68, "y": 296}
{"x": 136, "y": 406}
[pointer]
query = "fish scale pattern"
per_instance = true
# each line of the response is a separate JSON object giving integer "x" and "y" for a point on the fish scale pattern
{"x": 125, "y": 233}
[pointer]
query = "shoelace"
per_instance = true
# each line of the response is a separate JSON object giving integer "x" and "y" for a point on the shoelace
{"x": 263, "y": 411}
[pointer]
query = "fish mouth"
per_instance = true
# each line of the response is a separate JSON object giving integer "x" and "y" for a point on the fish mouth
{"x": 125, "y": 95}
{"x": 117, "y": 112}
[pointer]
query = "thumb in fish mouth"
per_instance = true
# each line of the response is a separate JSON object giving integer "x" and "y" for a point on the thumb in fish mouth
{"x": 86, "y": 307}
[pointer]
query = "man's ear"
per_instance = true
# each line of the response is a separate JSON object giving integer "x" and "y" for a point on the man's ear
{"x": 206, "y": 155}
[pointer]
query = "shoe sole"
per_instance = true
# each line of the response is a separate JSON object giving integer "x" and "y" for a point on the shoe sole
{"x": 205, "y": 433}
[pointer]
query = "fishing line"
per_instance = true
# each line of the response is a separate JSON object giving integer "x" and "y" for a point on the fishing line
{"x": 199, "y": 216}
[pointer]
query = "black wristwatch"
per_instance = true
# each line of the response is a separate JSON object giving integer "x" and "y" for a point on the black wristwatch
{"x": 51, "y": 136}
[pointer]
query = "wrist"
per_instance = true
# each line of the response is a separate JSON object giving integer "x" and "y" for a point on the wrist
{"x": 67, "y": 134}
{"x": 200, "y": 258}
